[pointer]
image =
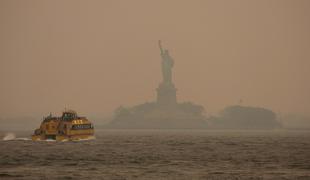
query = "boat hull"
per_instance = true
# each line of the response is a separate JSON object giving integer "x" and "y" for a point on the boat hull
{"x": 63, "y": 137}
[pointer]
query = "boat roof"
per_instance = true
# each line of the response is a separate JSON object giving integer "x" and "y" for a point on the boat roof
{"x": 69, "y": 112}
{"x": 67, "y": 115}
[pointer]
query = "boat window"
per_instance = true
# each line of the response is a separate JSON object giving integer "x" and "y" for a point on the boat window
{"x": 81, "y": 126}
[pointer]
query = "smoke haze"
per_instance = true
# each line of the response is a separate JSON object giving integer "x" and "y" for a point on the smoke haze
{"x": 94, "y": 56}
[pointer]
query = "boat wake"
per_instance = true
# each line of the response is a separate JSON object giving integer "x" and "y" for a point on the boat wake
{"x": 67, "y": 140}
{"x": 12, "y": 137}
{"x": 86, "y": 139}
{"x": 9, "y": 136}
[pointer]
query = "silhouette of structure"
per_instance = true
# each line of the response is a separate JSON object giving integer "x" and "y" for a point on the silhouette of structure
{"x": 165, "y": 112}
{"x": 166, "y": 92}
{"x": 245, "y": 117}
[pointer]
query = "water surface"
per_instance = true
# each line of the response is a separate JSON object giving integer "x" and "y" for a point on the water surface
{"x": 161, "y": 154}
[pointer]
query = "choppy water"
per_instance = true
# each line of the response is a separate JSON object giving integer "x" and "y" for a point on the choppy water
{"x": 138, "y": 154}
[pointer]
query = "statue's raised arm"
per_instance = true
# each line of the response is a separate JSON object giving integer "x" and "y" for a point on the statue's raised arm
{"x": 160, "y": 47}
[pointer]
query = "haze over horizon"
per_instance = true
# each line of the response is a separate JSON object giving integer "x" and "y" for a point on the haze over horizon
{"x": 93, "y": 56}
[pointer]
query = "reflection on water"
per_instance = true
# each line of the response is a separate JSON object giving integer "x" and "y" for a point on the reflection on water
{"x": 158, "y": 154}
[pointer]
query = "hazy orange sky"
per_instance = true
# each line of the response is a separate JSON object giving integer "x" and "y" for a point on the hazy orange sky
{"x": 94, "y": 56}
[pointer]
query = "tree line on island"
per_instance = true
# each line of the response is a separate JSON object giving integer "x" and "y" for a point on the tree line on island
{"x": 190, "y": 116}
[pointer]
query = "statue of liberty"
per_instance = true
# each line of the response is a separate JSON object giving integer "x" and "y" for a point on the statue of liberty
{"x": 166, "y": 65}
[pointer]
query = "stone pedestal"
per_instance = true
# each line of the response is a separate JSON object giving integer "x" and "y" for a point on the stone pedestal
{"x": 166, "y": 95}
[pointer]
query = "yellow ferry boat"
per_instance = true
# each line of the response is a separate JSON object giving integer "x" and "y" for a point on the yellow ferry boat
{"x": 67, "y": 127}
